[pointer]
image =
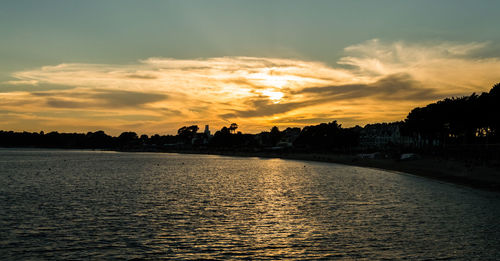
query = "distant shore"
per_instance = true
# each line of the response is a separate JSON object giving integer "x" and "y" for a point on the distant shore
{"x": 447, "y": 170}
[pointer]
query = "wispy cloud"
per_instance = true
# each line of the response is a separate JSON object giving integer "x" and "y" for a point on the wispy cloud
{"x": 451, "y": 68}
{"x": 374, "y": 81}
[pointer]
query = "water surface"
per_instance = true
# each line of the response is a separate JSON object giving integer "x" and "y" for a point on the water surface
{"x": 105, "y": 205}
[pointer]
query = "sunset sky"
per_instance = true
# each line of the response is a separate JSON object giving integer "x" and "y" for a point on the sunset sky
{"x": 153, "y": 66}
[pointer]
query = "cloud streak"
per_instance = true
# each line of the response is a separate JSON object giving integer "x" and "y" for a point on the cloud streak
{"x": 99, "y": 98}
{"x": 400, "y": 87}
{"x": 373, "y": 81}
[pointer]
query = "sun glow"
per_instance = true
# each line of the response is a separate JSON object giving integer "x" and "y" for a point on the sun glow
{"x": 268, "y": 79}
{"x": 276, "y": 81}
{"x": 274, "y": 96}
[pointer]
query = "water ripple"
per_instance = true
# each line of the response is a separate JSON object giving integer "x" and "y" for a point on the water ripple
{"x": 97, "y": 205}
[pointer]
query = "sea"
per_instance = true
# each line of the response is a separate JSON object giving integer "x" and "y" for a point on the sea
{"x": 98, "y": 205}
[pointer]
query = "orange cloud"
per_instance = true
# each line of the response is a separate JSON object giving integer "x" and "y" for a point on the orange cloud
{"x": 373, "y": 82}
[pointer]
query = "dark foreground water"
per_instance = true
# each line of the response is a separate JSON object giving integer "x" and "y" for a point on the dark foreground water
{"x": 104, "y": 205}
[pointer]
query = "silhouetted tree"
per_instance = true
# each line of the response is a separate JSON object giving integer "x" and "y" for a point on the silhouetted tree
{"x": 233, "y": 127}
{"x": 225, "y": 138}
{"x": 99, "y": 139}
{"x": 128, "y": 140}
{"x": 186, "y": 134}
{"x": 463, "y": 120}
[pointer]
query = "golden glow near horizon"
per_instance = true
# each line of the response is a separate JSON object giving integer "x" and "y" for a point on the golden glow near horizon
{"x": 373, "y": 82}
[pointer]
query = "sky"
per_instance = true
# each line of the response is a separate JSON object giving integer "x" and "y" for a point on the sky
{"x": 154, "y": 66}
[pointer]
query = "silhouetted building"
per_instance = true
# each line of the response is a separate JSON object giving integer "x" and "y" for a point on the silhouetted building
{"x": 288, "y": 136}
{"x": 382, "y": 136}
{"x": 207, "y": 131}
{"x": 202, "y": 138}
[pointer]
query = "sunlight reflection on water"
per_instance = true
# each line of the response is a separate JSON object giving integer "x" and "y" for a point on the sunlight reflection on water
{"x": 83, "y": 204}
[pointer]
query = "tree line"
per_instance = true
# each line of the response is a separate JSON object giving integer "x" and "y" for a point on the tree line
{"x": 467, "y": 120}
{"x": 473, "y": 119}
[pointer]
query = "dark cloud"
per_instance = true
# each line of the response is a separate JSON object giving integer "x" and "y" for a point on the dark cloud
{"x": 127, "y": 98}
{"x": 263, "y": 107}
{"x": 66, "y": 103}
{"x": 393, "y": 87}
{"x": 99, "y": 98}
